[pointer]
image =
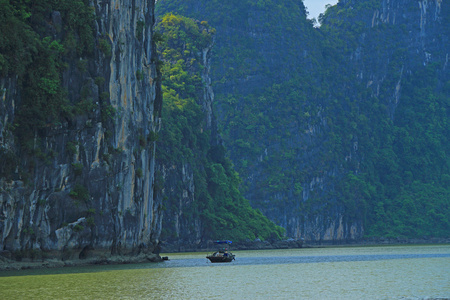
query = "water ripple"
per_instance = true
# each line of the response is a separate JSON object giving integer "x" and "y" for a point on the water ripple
{"x": 270, "y": 260}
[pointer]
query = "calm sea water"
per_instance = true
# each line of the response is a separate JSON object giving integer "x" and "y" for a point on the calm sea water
{"x": 395, "y": 272}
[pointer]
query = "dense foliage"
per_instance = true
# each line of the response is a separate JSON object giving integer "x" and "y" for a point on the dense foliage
{"x": 185, "y": 139}
{"x": 401, "y": 124}
{"x": 346, "y": 117}
{"x": 36, "y": 41}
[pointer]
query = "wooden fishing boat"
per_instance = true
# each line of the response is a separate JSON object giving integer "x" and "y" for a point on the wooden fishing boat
{"x": 222, "y": 255}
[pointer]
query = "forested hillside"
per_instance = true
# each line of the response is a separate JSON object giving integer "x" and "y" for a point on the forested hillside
{"x": 198, "y": 183}
{"x": 337, "y": 132}
{"x": 399, "y": 53}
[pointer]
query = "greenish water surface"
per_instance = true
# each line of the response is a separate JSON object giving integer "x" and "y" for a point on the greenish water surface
{"x": 394, "y": 272}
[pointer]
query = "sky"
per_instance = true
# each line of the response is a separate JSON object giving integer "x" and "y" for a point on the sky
{"x": 316, "y": 7}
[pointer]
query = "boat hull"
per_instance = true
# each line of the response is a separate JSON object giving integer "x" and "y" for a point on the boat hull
{"x": 220, "y": 259}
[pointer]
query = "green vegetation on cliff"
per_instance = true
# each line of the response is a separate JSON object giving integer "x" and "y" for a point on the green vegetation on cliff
{"x": 38, "y": 59}
{"x": 186, "y": 140}
{"x": 350, "y": 119}
{"x": 347, "y": 119}
{"x": 399, "y": 118}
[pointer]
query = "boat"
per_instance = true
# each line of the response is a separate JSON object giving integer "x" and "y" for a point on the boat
{"x": 222, "y": 255}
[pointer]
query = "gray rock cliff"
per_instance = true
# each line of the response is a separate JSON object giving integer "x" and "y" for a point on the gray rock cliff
{"x": 182, "y": 224}
{"x": 94, "y": 192}
{"x": 290, "y": 100}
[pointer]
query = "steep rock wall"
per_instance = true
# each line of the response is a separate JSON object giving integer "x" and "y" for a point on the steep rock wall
{"x": 423, "y": 40}
{"x": 182, "y": 224}
{"x": 291, "y": 99}
{"x": 397, "y": 39}
{"x": 95, "y": 190}
{"x": 254, "y": 52}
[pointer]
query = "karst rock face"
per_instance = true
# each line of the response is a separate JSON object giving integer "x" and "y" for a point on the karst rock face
{"x": 303, "y": 110}
{"x": 182, "y": 218}
{"x": 92, "y": 185}
{"x": 396, "y": 42}
{"x": 88, "y": 181}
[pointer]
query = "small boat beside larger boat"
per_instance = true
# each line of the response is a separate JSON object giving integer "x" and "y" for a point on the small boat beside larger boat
{"x": 222, "y": 255}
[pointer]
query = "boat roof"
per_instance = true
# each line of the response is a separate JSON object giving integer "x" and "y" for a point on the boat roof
{"x": 223, "y": 242}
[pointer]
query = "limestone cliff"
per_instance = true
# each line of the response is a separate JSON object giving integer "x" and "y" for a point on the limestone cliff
{"x": 198, "y": 183}
{"x": 421, "y": 38}
{"x": 91, "y": 187}
{"x": 182, "y": 225}
{"x": 386, "y": 44}
{"x": 321, "y": 123}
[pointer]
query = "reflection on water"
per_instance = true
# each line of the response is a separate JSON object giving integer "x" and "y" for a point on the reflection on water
{"x": 411, "y": 272}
